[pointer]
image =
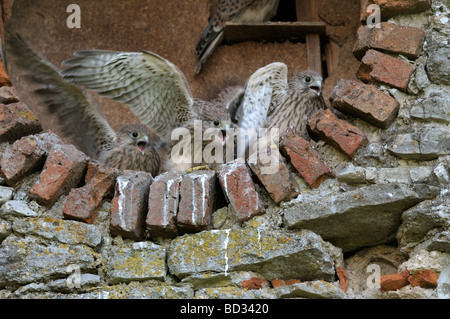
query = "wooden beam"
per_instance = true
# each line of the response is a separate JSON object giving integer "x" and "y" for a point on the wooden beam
{"x": 235, "y": 32}
{"x": 307, "y": 12}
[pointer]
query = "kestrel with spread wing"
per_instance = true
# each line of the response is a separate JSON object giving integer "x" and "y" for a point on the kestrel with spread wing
{"x": 243, "y": 11}
{"x": 128, "y": 149}
{"x": 271, "y": 101}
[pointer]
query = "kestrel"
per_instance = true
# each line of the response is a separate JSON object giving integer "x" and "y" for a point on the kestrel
{"x": 129, "y": 149}
{"x": 270, "y": 101}
{"x": 243, "y": 11}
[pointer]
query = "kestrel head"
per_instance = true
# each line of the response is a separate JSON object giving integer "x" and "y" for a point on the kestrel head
{"x": 214, "y": 116}
{"x": 307, "y": 83}
{"x": 135, "y": 135}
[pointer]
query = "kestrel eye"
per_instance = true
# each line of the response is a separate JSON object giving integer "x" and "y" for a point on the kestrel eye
{"x": 308, "y": 79}
{"x": 135, "y": 134}
{"x": 216, "y": 123}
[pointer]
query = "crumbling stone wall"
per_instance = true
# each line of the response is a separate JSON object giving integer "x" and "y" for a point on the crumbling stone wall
{"x": 369, "y": 199}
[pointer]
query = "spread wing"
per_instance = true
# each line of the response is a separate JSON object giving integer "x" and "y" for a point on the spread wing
{"x": 79, "y": 117}
{"x": 264, "y": 91}
{"x": 154, "y": 88}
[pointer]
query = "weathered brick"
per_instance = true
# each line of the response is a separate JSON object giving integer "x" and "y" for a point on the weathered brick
{"x": 164, "y": 197}
{"x": 343, "y": 278}
{"x": 64, "y": 169}
{"x": 395, "y": 281}
{"x": 254, "y": 283}
{"x": 390, "y": 8}
{"x": 26, "y": 155}
{"x": 197, "y": 192}
{"x": 4, "y": 77}
{"x": 338, "y": 133}
{"x": 16, "y": 121}
{"x": 238, "y": 186}
{"x": 8, "y": 95}
{"x": 382, "y": 68}
{"x": 365, "y": 102}
{"x": 130, "y": 204}
{"x": 276, "y": 178}
{"x": 424, "y": 278}
{"x": 390, "y": 37}
{"x": 304, "y": 158}
{"x": 82, "y": 203}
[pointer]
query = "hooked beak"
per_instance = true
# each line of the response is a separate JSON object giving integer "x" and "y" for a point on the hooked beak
{"x": 224, "y": 134}
{"x": 142, "y": 143}
{"x": 316, "y": 87}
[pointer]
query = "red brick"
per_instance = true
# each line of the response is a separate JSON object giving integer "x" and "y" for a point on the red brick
{"x": 390, "y": 37}
{"x": 382, "y": 68}
{"x": 279, "y": 183}
{"x": 82, "y": 203}
{"x": 64, "y": 169}
{"x": 238, "y": 186}
{"x": 197, "y": 192}
{"x": 254, "y": 283}
{"x": 16, "y": 121}
{"x": 390, "y": 8}
{"x": 130, "y": 204}
{"x": 365, "y": 102}
{"x": 8, "y": 95}
{"x": 26, "y": 155}
{"x": 343, "y": 278}
{"x": 6, "y": 10}
{"x": 4, "y": 77}
{"x": 338, "y": 133}
{"x": 424, "y": 278}
{"x": 394, "y": 282}
{"x": 164, "y": 197}
{"x": 304, "y": 158}
{"x": 277, "y": 283}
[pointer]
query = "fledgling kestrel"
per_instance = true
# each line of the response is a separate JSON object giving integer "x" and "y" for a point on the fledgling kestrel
{"x": 157, "y": 93}
{"x": 243, "y": 11}
{"x": 81, "y": 119}
{"x": 270, "y": 101}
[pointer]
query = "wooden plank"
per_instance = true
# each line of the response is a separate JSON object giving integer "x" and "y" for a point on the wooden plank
{"x": 331, "y": 57}
{"x": 270, "y": 31}
{"x": 307, "y": 12}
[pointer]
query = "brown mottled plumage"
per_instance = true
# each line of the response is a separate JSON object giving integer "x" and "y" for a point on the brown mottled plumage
{"x": 243, "y": 11}
{"x": 133, "y": 150}
{"x": 270, "y": 101}
{"x": 303, "y": 99}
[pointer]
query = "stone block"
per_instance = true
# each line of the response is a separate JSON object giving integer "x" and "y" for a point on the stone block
{"x": 238, "y": 186}
{"x": 16, "y": 121}
{"x": 342, "y": 135}
{"x": 377, "y": 67}
{"x": 349, "y": 220}
{"x": 82, "y": 203}
{"x": 276, "y": 178}
{"x": 390, "y": 37}
{"x": 8, "y": 95}
{"x": 304, "y": 158}
{"x": 64, "y": 169}
{"x": 164, "y": 197}
{"x": 130, "y": 204}
{"x": 365, "y": 102}
{"x": 197, "y": 192}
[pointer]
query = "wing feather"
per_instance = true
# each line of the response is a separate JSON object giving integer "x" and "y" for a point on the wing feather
{"x": 264, "y": 91}
{"x": 154, "y": 88}
{"x": 79, "y": 117}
